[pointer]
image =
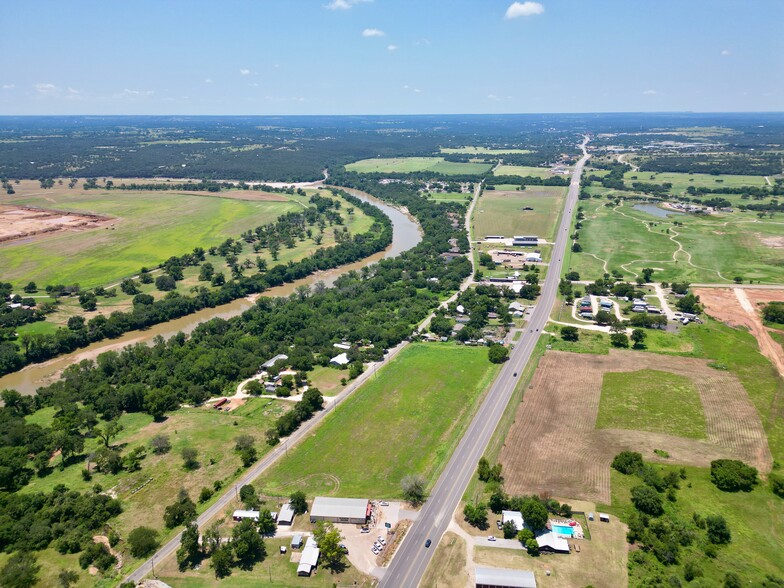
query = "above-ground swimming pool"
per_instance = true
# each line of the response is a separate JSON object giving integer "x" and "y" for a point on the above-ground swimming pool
{"x": 563, "y": 530}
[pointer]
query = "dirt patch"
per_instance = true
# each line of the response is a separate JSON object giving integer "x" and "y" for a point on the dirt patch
{"x": 741, "y": 307}
{"x": 553, "y": 446}
{"x": 775, "y": 242}
{"x": 26, "y": 223}
{"x": 103, "y": 539}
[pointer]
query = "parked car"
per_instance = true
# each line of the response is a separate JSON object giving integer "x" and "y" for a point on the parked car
{"x": 364, "y": 530}
{"x": 491, "y": 538}
{"x": 381, "y": 540}
{"x": 499, "y": 525}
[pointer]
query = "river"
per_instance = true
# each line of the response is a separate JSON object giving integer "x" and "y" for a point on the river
{"x": 406, "y": 234}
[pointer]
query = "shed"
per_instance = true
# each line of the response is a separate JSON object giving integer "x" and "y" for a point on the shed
{"x": 296, "y": 541}
{"x": 343, "y": 346}
{"x": 340, "y": 510}
{"x": 590, "y": 516}
{"x": 240, "y": 515}
{"x": 341, "y": 359}
{"x": 504, "y": 578}
{"x": 286, "y": 515}
{"x": 552, "y": 543}
{"x": 274, "y": 360}
{"x": 605, "y": 518}
{"x": 309, "y": 559}
{"x": 515, "y": 516}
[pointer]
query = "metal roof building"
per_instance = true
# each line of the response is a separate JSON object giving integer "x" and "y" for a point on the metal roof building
{"x": 286, "y": 515}
{"x": 340, "y": 510}
{"x": 503, "y": 578}
{"x": 515, "y": 516}
{"x": 309, "y": 559}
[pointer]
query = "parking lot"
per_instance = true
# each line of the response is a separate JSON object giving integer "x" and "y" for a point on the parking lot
{"x": 360, "y": 544}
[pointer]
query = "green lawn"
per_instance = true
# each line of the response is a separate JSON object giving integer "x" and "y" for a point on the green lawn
{"x": 406, "y": 420}
{"x": 651, "y": 400}
{"x": 501, "y": 212}
{"x": 483, "y": 150}
{"x": 416, "y": 164}
{"x": 523, "y": 170}
{"x": 681, "y": 181}
{"x": 150, "y": 228}
{"x": 460, "y": 197}
{"x": 716, "y": 248}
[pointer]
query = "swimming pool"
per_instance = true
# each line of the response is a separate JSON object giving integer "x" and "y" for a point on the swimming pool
{"x": 563, "y": 530}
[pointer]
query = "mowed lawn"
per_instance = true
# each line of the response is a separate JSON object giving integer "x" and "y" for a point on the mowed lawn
{"x": 416, "y": 164}
{"x": 523, "y": 170}
{"x": 681, "y": 181}
{"x": 501, "y": 212}
{"x": 651, "y": 400}
{"x": 406, "y": 420}
{"x": 150, "y": 228}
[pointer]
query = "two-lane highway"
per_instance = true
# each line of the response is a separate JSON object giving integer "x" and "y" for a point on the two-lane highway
{"x": 411, "y": 560}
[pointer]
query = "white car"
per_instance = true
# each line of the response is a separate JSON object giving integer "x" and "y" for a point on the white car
{"x": 383, "y": 503}
{"x": 381, "y": 540}
{"x": 374, "y": 550}
{"x": 491, "y": 538}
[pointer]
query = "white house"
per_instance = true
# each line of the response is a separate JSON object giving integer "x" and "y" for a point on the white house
{"x": 341, "y": 359}
{"x": 515, "y": 516}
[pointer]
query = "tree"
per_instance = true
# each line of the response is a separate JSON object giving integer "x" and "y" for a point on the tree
{"x": 647, "y": 500}
{"x": 165, "y": 283}
{"x": 689, "y": 303}
{"x": 776, "y": 482}
{"x": 691, "y": 570}
{"x": 497, "y": 353}
{"x": 638, "y": 336}
{"x": 524, "y": 535}
{"x": 248, "y": 496}
{"x": 328, "y": 538}
{"x": 109, "y": 431}
{"x": 245, "y": 446}
{"x": 647, "y": 274}
{"x": 30, "y": 288}
{"x": 532, "y": 546}
{"x": 266, "y": 524}
{"x": 603, "y": 318}
{"x": 476, "y": 515}
{"x": 222, "y": 561}
{"x": 441, "y": 326}
{"x": 190, "y": 550}
{"x": 718, "y": 530}
{"x": 248, "y": 545}
{"x": 67, "y": 577}
{"x": 732, "y": 580}
{"x": 570, "y": 333}
{"x": 75, "y": 323}
{"x": 413, "y": 487}
{"x": 298, "y": 502}
{"x": 732, "y": 475}
{"x": 773, "y": 312}
{"x": 189, "y": 461}
{"x": 534, "y": 514}
{"x": 576, "y": 247}
{"x": 181, "y": 511}
{"x": 20, "y": 571}
{"x": 627, "y": 462}
{"x": 143, "y": 541}
{"x": 509, "y": 529}
{"x": 160, "y": 444}
{"x": 619, "y": 340}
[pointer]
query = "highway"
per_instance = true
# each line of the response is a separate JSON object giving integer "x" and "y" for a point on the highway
{"x": 411, "y": 560}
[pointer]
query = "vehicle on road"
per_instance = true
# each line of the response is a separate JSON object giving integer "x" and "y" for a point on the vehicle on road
{"x": 427, "y": 543}
{"x": 383, "y": 503}
{"x": 514, "y": 375}
{"x": 491, "y": 538}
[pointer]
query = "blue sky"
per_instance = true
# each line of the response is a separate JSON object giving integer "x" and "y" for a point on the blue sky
{"x": 389, "y": 56}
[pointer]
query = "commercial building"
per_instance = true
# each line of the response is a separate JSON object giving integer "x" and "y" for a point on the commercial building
{"x": 525, "y": 241}
{"x": 340, "y": 510}
{"x": 504, "y": 578}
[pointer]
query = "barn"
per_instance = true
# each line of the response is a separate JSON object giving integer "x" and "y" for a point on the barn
{"x": 340, "y": 510}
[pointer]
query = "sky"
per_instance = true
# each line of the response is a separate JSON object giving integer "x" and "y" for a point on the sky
{"x": 269, "y": 57}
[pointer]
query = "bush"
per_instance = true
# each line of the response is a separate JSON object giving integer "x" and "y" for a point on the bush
{"x": 732, "y": 475}
{"x": 570, "y": 333}
{"x": 532, "y": 545}
{"x": 691, "y": 570}
{"x": 647, "y": 500}
{"x": 143, "y": 541}
{"x": 497, "y": 353}
{"x": 718, "y": 530}
{"x": 776, "y": 482}
{"x": 627, "y": 462}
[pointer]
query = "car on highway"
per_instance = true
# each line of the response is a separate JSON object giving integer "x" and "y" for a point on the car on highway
{"x": 427, "y": 543}
{"x": 514, "y": 375}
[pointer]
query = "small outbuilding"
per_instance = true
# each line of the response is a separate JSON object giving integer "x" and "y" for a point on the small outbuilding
{"x": 309, "y": 559}
{"x": 515, "y": 516}
{"x": 605, "y": 518}
{"x": 340, "y": 510}
{"x": 504, "y": 578}
{"x": 286, "y": 515}
{"x": 241, "y": 515}
{"x": 296, "y": 541}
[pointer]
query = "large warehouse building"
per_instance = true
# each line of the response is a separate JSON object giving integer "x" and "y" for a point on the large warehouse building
{"x": 504, "y": 578}
{"x": 340, "y": 510}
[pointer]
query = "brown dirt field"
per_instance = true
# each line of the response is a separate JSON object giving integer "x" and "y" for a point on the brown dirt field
{"x": 740, "y": 307}
{"x": 553, "y": 446}
{"x": 24, "y": 222}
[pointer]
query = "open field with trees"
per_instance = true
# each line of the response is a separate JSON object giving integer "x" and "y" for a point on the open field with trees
{"x": 523, "y": 170}
{"x": 682, "y": 181}
{"x": 501, "y": 212}
{"x": 484, "y": 150}
{"x": 417, "y": 164}
{"x": 405, "y": 421}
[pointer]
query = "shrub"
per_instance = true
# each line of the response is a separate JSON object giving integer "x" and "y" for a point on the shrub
{"x": 647, "y": 500}
{"x": 627, "y": 462}
{"x": 776, "y": 482}
{"x": 731, "y": 475}
{"x": 143, "y": 541}
{"x": 570, "y": 333}
{"x": 718, "y": 530}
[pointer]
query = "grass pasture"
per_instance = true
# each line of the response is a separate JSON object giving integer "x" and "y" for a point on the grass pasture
{"x": 651, "y": 400}
{"x": 460, "y": 197}
{"x": 405, "y": 165}
{"x": 681, "y": 181}
{"x": 406, "y": 420}
{"x": 501, "y": 212}
{"x": 523, "y": 170}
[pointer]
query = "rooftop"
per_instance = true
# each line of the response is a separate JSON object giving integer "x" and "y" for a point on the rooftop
{"x": 329, "y": 506}
{"x": 505, "y": 577}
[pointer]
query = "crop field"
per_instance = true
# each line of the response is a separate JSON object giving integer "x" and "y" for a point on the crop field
{"x": 501, "y": 212}
{"x": 148, "y": 228}
{"x": 681, "y": 181}
{"x": 555, "y": 447}
{"x": 483, "y": 150}
{"x": 523, "y": 170}
{"x": 405, "y": 420}
{"x": 404, "y": 165}
{"x": 705, "y": 249}
{"x": 651, "y": 400}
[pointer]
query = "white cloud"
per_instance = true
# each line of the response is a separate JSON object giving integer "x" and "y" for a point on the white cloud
{"x": 46, "y": 89}
{"x": 725, "y": 52}
{"x": 392, "y": 47}
{"x": 495, "y": 98}
{"x": 133, "y": 94}
{"x": 421, "y": 42}
{"x": 208, "y": 81}
{"x": 244, "y": 72}
{"x": 343, "y": 4}
{"x": 9, "y": 86}
{"x": 417, "y": 91}
{"x": 406, "y": 87}
{"x": 372, "y": 33}
{"x": 518, "y": 9}
{"x": 650, "y": 92}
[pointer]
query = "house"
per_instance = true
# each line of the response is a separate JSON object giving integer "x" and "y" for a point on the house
{"x": 309, "y": 559}
{"x": 514, "y": 516}
{"x": 551, "y": 543}
{"x": 270, "y": 387}
{"x": 639, "y": 309}
{"x": 296, "y": 541}
{"x": 460, "y": 309}
{"x": 525, "y": 241}
{"x": 504, "y": 578}
{"x": 274, "y": 360}
{"x": 343, "y": 346}
{"x": 340, "y": 510}
{"x": 513, "y": 306}
{"x": 341, "y": 359}
{"x": 533, "y": 257}
{"x": 240, "y": 515}
{"x": 286, "y": 515}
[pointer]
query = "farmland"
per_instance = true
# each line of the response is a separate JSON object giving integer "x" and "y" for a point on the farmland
{"x": 713, "y": 248}
{"x": 405, "y": 420}
{"x": 501, "y": 212}
{"x": 404, "y": 165}
{"x": 522, "y": 170}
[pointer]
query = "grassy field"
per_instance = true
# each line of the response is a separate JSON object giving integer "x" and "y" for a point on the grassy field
{"x": 716, "y": 248}
{"x": 483, "y": 150}
{"x": 406, "y": 165}
{"x": 406, "y": 420}
{"x": 501, "y": 213}
{"x": 150, "y": 228}
{"x": 651, "y": 400}
{"x": 681, "y": 181}
{"x": 460, "y": 197}
{"x": 447, "y": 569}
{"x": 523, "y": 170}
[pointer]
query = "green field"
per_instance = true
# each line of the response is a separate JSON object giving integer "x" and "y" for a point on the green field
{"x": 501, "y": 212}
{"x": 716, "y": 248}
{"x": 460, "y": 197}
{"x": 151, "y": 227}
{"x": 522, "y": 170}
{"x": 405, "y": 165}
{"x": 651, "y": 400}
{"x": 406, "y": 420}
{"x": 681, "y": 181}
{"x": 483, "y": 150}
